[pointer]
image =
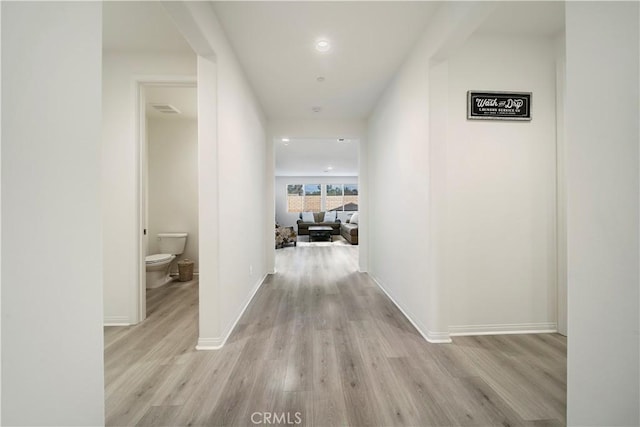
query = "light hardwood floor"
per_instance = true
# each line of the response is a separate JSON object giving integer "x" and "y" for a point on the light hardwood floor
{"x": 321, "y": 344}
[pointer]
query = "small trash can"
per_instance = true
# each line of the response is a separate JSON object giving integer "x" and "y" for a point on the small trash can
{"x": 185, "y": 270}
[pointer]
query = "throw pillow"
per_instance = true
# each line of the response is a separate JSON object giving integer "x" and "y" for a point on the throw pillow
{"x": 308, "y": 217}
{"x": 354, "y": 218}
{"x": 330, "y": 216}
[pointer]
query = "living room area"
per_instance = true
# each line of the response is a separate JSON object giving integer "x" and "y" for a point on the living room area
{"x": 316, "y": 192}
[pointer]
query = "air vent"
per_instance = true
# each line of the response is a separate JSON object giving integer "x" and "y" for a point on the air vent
{"x": 165, "y": 108}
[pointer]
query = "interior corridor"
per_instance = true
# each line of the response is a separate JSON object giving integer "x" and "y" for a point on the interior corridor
{"x": 322, "y": 344}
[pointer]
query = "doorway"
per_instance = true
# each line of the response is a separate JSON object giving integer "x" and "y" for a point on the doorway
{"x": 319, "y": 177}
{"x": 168, "y": 182}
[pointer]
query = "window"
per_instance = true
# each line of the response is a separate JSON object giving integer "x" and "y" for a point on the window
{"x": 312, "y": 198}
{"x": 304, "y": 198}
{"x": 350, "y": 197}
{"x": 295, "y": 198}
{"x": 334, "y": 197}
{"x": 342, "y": 197}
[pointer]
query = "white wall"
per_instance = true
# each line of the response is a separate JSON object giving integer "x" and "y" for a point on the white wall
{"x": 398, "y": 183}
{"x": 235, "y": 151}
{"x": 0, "y": 219}
{"x": 287, "y": 219}
{"x": 561, "y": 182}
{"x": 602, "y": 212}
{"x": 318, "y": 128}
{"x": 52, "y": 363}
{"x": 484, "y": 191}
{"x": 173, "y": 182}
{"x": 120, "y": 165}
{"x": 399, "y": 164}
{"x": 499, "y": 266}
{"x": 209, "y": 280}
{"x": 242, "y": 169}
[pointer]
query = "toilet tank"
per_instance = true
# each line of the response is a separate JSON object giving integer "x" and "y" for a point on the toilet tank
{"x": 172, "y": 243}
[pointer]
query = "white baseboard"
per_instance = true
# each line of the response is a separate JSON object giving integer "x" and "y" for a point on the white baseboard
{"x": 218, "y": 342}
{"x": 498, "y": 329}
{"x": 117, "y": 321}
{"x": 437, "y": 337}
{"x": 209, "y": 343}
{"x": 430, "y": 336}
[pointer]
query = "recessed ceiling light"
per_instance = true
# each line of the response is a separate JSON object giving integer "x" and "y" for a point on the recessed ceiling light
{"x": 316, "y": 109}
{"x": 285, "y": 139}
{"x": 323, "y": 45}
{"x": 329, "y": 168}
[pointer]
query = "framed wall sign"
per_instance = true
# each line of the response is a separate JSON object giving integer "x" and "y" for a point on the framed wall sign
{"x": 498, "y": 105}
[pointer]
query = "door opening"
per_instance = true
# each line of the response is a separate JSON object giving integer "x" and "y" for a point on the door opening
{"x": 168, "y": 184}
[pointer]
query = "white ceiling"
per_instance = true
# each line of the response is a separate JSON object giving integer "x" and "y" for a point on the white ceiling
{"x": 525, "y": 18}
{"x": 140, "y": 26}
{"x": 183, "y": 99}
{"x": 274, "y": 42}
{"x": 312, "y": 157}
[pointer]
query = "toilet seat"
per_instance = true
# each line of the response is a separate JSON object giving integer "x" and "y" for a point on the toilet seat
{"x": 154, "y": 259}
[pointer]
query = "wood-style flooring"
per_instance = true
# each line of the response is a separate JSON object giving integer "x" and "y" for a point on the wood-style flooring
{"x": 321, "y": 345}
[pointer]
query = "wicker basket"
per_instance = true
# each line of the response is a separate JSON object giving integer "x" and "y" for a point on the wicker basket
{"x": 185, "y": 270}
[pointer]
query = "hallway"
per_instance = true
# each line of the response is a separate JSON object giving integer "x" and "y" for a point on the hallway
{"x": 320, "y": 343}
{"x": 512, "y": 221}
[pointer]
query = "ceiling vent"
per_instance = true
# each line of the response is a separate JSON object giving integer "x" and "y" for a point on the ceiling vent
{"x": 165, "y": 108}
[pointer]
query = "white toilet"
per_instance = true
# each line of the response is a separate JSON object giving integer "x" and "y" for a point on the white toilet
{"x": 159, "y": 265}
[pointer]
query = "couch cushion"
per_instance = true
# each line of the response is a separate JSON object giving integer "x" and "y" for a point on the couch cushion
{"x": 350, "y": 232}
{"x": 318, "y": 216}
{"x": 329, "y": 216}
{"x": 308, "y": 217}
{"x": 354, "y": 218}
{"x": 351, "y": 229}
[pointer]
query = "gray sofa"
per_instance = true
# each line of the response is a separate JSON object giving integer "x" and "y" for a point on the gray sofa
{"x": 303, "y": 227}
{"x": 349, "y": 232}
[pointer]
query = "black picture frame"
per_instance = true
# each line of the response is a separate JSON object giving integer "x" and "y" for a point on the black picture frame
{"x": 496, "y": 105}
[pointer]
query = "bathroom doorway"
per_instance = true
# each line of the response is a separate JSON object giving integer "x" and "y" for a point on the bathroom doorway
{"x": 168, "y": 191}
